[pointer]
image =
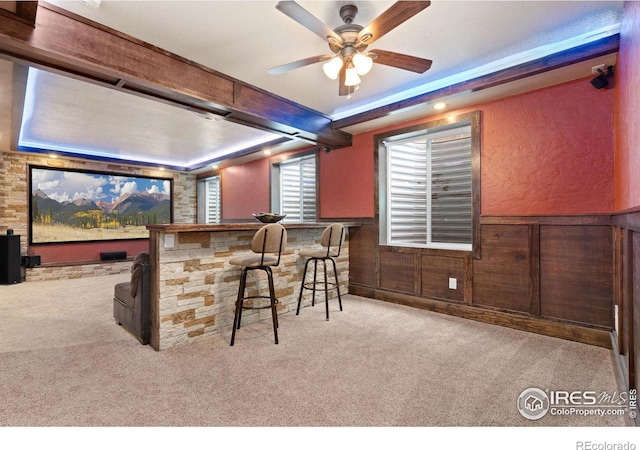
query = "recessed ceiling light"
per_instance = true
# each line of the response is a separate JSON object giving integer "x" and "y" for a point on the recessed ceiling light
{"x": 53, "y": 155}
{"x": 94, "y": 4}
{"x": 267, "y": 152}
{"x": 214, "y": 166}
{"x": 440, "y": 105}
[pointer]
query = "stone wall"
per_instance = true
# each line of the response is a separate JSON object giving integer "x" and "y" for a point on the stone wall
{"x": 198, "y": 287}
{"x": 64, "y": 272}
{"x": 14, "y": 210}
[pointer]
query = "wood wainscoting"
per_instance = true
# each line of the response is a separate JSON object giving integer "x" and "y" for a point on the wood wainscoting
{"x": 551, "y": 275}
{"x": 626, "y": 231}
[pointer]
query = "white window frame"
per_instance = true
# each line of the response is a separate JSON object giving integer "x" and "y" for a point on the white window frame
{"x": 467, "y": 123}
{"x": 306, "y": 211}
{"x": 210, "y": 200}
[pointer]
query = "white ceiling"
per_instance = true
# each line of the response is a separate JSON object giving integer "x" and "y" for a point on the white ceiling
{"x": 244, "y": 39}
{"x": 105, "y": 122}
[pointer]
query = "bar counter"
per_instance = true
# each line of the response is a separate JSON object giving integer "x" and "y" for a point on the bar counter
{"x": 193, "y": 287}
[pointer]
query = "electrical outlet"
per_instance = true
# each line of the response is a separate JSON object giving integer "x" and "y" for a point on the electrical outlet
{"x": 169, "y": 240}
{"x": 453, "y": 283}
{"x": 595, "y": 69}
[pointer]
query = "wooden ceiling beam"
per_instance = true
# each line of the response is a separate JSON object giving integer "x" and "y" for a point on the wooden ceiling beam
{"x": 24, "y": 11}
{"x": 67, "y": 43}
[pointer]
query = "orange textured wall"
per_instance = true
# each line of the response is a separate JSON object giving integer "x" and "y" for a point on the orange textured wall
{"x": 346, "y": 180}
{"x": 545, "y": 152}
{"x": 245, "y": 190}
{"x": 549, "y": 152}
{"x": 627, "y": 117}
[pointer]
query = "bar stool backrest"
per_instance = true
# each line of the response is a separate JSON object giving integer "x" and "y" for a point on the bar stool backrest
{"x": 332, "y": 238}
{"x": 271, "y": 238}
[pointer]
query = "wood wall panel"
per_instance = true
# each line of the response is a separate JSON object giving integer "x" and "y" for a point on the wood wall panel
{"x": 561, "y": 330}
{"x": 397, "y": 271}
{"x": 362, "y": 255}
{"x": 436, "y": 271}
{"x": 576, "y": 274}
{"x": 552, "y": 275}
{"x": 626, "y": 233}
{"x": 501, "y": 279}
{"x": 634, "y": 311}
{"x": 625, "y": 311}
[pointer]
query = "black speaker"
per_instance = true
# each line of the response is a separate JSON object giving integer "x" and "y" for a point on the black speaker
{"x": 112, "y": 256}
{"x": 9, "y": 259}
{"x": 602, "y": 80}
{"x": 30, "y": 261}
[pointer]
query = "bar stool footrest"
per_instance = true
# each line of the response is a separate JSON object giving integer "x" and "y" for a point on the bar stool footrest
{"x": 310, "y": 286}
{"x": 264, "y": 297}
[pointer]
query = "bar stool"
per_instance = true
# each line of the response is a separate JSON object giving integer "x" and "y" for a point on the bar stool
{"x": 271, "y": 238}
{"x": 331, "y": 241}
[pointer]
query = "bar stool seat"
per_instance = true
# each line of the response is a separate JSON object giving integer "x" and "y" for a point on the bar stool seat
{"x": 254, "y": 261}
{"x": 270, "y": 239}
{"x": 331, "y": 242}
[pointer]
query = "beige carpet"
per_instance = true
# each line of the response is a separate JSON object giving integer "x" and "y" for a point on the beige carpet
{"x": 64, "y": 362}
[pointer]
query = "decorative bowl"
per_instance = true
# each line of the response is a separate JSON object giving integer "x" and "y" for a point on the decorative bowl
{"x": 269, "y": 217}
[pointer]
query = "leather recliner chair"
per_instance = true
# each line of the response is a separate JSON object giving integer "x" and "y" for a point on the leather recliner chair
{"x": 131, "y": 300}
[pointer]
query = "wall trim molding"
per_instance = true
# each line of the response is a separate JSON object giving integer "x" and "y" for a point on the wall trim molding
{"x": 547, "y": 327}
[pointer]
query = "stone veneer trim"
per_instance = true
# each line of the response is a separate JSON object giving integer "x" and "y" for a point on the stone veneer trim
{"x": 14, "y": 211}
{"x": 197, "y": 287}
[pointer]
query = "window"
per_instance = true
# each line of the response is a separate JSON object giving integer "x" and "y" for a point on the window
{"x": 427, "y": 185}
{"x": 209, "y": 200}
{"x": 294, "y": 189}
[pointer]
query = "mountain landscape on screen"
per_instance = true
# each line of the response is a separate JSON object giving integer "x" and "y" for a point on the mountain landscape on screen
{"x": 125, "y": 218}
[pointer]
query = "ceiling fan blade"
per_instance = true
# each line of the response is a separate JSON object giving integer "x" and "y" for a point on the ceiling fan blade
{"x": 398, "y": 13}
{"x": 406, "y": 62}
{"x": 307, "y": 20}
{"x": 342, "y": 89}
{"x": 300, "y": 63}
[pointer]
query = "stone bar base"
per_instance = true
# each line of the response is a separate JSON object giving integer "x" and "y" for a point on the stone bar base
{"x": 194, "y": 288}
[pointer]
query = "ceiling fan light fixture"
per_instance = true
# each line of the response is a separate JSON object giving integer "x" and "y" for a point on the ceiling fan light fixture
{"x": 332, "y": 67}
{"x": 362, "y": 63}
{"x": 348, "y": 43}
{"x": 352, "y": 78}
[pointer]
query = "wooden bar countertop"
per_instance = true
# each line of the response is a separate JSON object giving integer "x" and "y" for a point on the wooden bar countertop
{"x": 242, "y": 226}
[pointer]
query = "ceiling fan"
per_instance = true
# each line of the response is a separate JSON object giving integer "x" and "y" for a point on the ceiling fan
{"x": 349, "y": 42}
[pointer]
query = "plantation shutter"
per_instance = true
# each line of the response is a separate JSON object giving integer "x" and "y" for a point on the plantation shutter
{"x": 298, "y": 190}
{"x": 429, "y": 189}
{"x": 451, "y": 204}
{"x": 407, "y": 188}
{"x": 213, "y": 200}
